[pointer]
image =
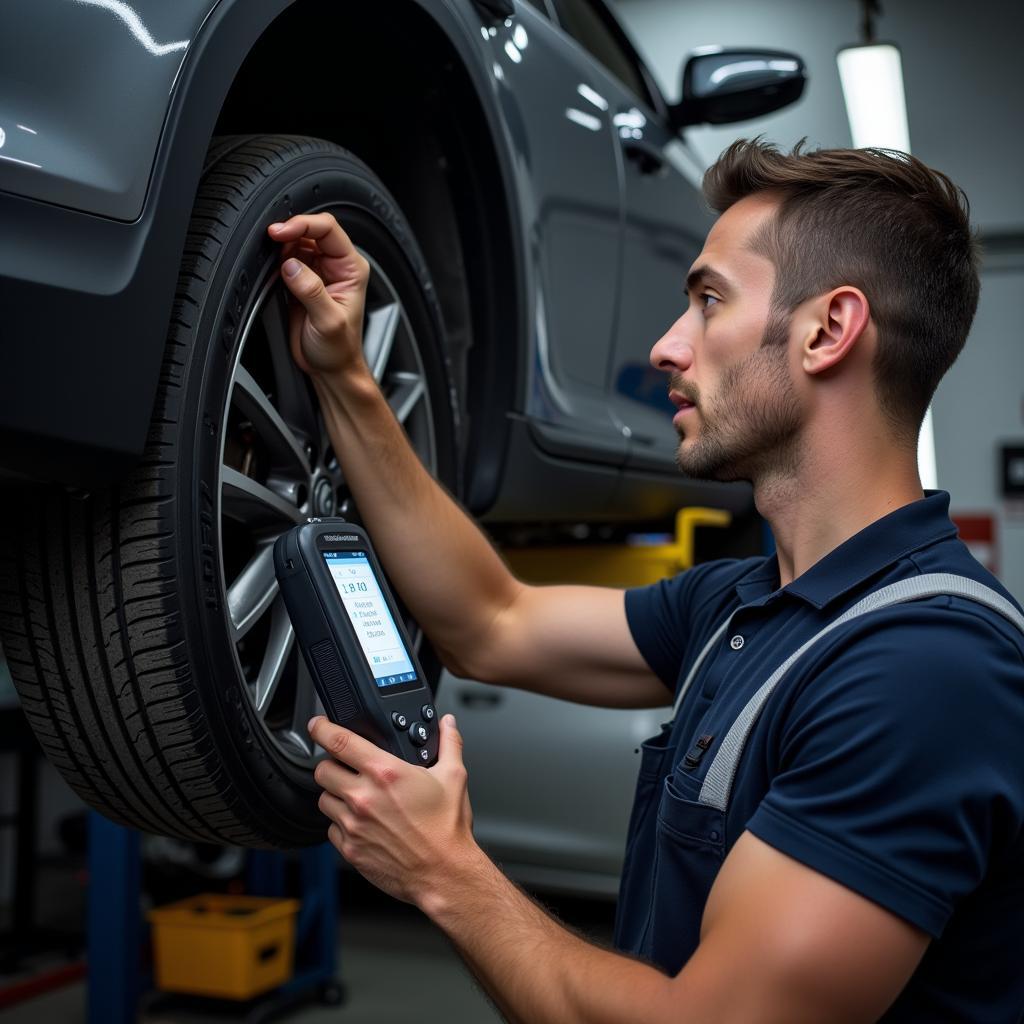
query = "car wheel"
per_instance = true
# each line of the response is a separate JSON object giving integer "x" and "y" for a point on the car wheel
{"x": 143, "y": 624}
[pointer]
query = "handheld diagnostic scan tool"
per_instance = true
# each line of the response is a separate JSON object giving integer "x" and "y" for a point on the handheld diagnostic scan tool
{"x": 353, "y": 639}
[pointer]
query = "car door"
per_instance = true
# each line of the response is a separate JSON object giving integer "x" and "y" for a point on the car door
{"x": 664, "y": 224}
{"x": 552, "y": 782}
{"x": 571, "y": 204}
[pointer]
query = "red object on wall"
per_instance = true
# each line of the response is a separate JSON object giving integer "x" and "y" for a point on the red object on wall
{"x": 978, "y": 532}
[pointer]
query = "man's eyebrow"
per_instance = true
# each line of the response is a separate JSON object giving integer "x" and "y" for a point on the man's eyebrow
{"x": 706, "y": 275}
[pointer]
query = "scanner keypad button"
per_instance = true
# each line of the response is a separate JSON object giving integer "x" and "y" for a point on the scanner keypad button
{"x": 419, "y": 734}
{"x": 424, "y": 755}
{"x": 399, "y": 720}
{"x": 428, "y": 712}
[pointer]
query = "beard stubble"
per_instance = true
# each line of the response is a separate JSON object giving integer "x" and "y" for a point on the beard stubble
{"x": 749, "y": 430}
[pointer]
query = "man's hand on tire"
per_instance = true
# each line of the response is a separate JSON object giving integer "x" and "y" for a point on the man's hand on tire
{"x": 323, "y": 271}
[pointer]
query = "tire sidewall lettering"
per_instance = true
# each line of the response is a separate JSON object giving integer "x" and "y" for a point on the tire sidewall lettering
{"x": 209, "y": 569}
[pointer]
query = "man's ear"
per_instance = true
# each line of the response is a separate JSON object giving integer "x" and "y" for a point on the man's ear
{"x": 838, "y": 320}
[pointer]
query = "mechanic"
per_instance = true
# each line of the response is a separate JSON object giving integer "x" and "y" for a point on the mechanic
{"x": 869, "y": 863}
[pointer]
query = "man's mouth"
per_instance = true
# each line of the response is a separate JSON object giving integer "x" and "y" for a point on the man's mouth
{"x": 681, "y": 402}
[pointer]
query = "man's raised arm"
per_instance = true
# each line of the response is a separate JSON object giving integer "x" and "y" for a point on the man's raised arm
{"x": 568, "y": 642}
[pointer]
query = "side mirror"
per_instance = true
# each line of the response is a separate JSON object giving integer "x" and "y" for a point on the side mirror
{"x": 722, "y": 86}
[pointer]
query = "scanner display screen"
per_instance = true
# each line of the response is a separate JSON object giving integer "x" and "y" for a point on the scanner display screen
{"x": 370, "y": 616}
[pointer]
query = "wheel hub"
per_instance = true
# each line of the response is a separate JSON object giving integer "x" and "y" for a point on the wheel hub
{"x": 323, "y": 497}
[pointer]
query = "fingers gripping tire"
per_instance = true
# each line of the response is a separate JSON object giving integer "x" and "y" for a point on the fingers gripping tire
{"x": 142, "y": 625}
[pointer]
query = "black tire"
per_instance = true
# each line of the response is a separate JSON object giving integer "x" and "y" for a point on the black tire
{"x": 114, "y": 605}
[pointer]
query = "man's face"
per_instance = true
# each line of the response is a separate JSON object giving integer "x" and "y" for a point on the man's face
{"x": 738, "y": 411}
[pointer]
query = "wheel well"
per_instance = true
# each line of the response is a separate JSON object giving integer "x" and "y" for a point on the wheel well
{"x": 402, "y": 100}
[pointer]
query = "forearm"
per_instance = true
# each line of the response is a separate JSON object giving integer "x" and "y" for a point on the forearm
{"x": 483, "y": 622}
{"x": 535, "y": 970}
{"x": 445, "y": 569}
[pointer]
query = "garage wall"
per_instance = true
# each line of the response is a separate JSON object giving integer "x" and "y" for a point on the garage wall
{"x": 980, "y": 405}
{"x": 965, "y": 98}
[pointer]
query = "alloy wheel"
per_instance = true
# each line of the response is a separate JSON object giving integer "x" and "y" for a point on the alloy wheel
{"x": 277, "y": 469}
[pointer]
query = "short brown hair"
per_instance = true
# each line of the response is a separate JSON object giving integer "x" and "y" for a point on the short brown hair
{"x": 879, "y": 220}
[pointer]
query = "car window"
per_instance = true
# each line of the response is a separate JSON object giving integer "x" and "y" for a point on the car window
{"x": 591, "y": 29}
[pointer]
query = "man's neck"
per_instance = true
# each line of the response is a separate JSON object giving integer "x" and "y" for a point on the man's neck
{"x": 831, "y": 495}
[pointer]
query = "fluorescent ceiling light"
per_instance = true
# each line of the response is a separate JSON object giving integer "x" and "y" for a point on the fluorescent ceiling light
{"x": 872, "y": 79}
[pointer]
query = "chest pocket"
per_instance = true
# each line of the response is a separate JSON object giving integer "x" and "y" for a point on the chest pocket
{"x": 688, "y": 846}
{"x": 681, "y": 851}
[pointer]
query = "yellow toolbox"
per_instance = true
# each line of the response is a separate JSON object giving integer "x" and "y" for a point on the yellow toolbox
{"x": 231, "y": 947}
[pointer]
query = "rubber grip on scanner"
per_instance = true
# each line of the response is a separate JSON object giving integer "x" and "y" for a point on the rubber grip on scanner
{"x": 334, "y": 680}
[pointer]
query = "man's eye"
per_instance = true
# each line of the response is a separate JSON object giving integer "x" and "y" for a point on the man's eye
{"x": 708, "y": 299}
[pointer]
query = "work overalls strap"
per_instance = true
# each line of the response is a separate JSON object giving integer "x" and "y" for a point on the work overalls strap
{"x": 670, "y": 869}
{"x": 718, "y": 782}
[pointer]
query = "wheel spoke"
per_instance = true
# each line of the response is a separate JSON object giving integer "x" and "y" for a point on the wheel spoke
{"x": 406, "y": 390}
{"x": 273, "y": 403}
{"x": 293, "y": 396}
{"x": 253, "y": 402}
{"x": 253, "y": 591}
{"x": 307, "y": 704}
{"x": 279, "y": 647}
{"x": 249, "y": 502}
{"x": 379, "y": 337}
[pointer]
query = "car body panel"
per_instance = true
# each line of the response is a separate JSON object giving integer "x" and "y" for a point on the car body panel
{"x": 665, "y": 224}
{"x": 114, "y": 67}
{"x": 551, "y": 783}
{"x": 664, "y": 221}
{"x": 108, "y": 114}
{"x": 77, "y": 390}
{"x": 572, "y": 233}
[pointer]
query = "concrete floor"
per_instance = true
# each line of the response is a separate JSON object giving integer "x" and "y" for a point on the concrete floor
{"x": 395, "y": 966}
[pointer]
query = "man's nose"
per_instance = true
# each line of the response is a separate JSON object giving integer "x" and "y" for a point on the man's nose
{"x": 672, "y": 352}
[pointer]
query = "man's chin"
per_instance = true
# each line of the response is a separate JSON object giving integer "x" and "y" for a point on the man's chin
{"x": 703, "y": 465}
{"x": 697, "y": 468}
{"x": 711, "y": 474}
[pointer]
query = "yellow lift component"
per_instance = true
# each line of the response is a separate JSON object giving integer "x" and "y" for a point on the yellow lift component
{"x": 616, "y": 565}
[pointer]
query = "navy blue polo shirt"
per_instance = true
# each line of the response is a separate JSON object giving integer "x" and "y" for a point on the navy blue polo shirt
{"x": 890, "y": 758}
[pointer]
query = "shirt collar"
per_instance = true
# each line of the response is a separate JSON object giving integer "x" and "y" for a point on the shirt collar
{"x": 863, "y": 555}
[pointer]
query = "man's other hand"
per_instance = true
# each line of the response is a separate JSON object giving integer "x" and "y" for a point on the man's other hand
{"x": 323, "y": 271}
{"x": 403, "y": 827}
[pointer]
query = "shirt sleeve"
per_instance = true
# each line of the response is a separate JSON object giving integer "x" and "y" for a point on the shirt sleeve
{"x": 902, "y": 766}
{"x": 665, "y": 617}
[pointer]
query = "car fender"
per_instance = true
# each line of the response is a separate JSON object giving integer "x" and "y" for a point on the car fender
{"x": 88, "y": 88}
{"x": 89, "y": 255}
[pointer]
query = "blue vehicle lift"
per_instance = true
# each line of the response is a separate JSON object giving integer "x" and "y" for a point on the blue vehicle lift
{"x": 117, "y": 976}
